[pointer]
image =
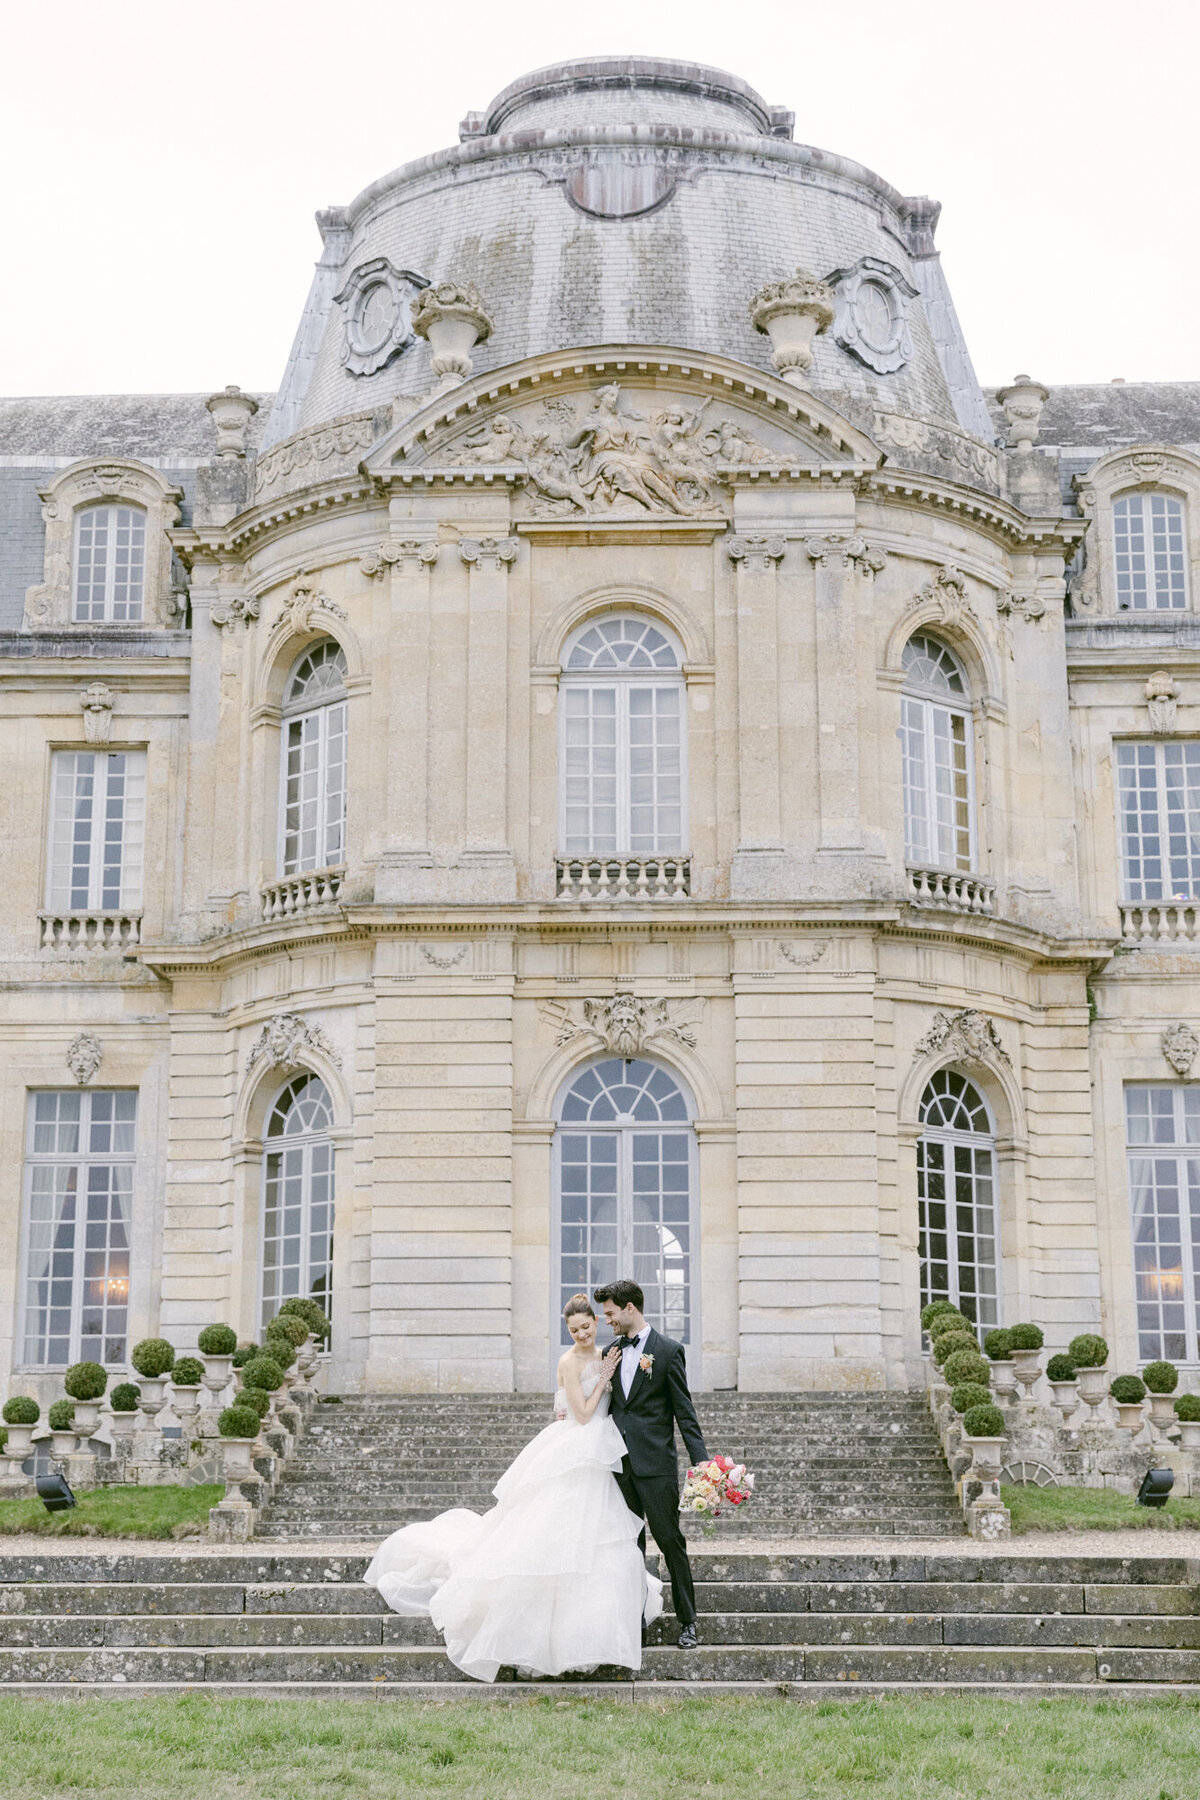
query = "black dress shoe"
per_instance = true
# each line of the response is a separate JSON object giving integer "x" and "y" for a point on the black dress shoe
{"x": 688, "y": 1639}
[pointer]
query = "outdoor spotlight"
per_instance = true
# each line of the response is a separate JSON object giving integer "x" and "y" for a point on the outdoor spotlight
{"x": 1156, "y": 1487}
{"x": 54, "y": 1493}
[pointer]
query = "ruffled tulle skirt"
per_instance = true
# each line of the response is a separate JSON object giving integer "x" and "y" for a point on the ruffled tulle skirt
{"x": 550, "y": 1579}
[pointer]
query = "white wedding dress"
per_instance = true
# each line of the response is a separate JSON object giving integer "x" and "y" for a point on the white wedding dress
{"x": 551, "y": 1578}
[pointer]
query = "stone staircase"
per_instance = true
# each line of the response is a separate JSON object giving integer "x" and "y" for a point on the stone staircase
{"x": 827, "y": 1465}
{"x": 268, "y": 1620}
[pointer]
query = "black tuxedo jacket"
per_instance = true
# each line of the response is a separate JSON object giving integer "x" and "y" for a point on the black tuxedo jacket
{"x": 647, "y": 1419}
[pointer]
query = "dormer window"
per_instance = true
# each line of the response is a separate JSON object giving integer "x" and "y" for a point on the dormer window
{"x": 110, "y": 564}
{"x": 1150, "y": 552}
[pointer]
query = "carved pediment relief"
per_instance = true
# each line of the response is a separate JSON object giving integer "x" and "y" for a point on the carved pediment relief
{"x": 622, "y": 436}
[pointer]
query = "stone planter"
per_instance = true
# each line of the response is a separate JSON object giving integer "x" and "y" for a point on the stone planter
{"x": 1004, "y": 1378}
{"x": 1189, "y": 1434}
{"x": 153, "y": 1390}
{"x": 1065, "y": 1397}
{"x": 1093, "y": 1385}
{"x": 217, "y": 1371}
{"x": 236, "y": 1458}
{"x": 185, "y": 1404}
{"x": 451, "y": 316}
{"x": 1162, "y": 1413}
{"x": 987, "y": 1456}
{"x": 62, "y": 1443}
{"x": 122, "y": 1426}
{"x": 20, "y": 1441}
{"x": 87, "y": 1419}
{"x": 1028, "y": 1366}
{"x": 1129, "y": 1415}
{"x": 791, "y": 313}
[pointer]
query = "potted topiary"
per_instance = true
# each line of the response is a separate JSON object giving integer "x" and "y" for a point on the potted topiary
{"x": 153, "y": 1359}
{"x": 968, "y": 1394}
{"x": 929, "y": 1312}
{"x": 217, "y": 1344}
{"x": 238, "y": 1426}
{"x": 953, "y": 1320}
{"x": 124, "y": 1400}
{"x": 1027, "y": 1341}
{"x": 21, "y": 1414}
{"x": 241, "y": 1356}
{"x": 997, "y": 1347}
{"x": 304, "y": 1307}
{"x": 1128, "y": 1392}
{"x": 965, "y": 1365}
{"x": 1088, "y": 1354}
{"x": 983, "y": 1433}
{"x": 1060, "y": 1373}
{"x": 61, "y": 1420}
{"x": 1187, "y": 1411}
{"x": 279, "y": 1347}
{"x": 944, "y": 1347}
{"x": 262, "y": 1371}
{"x": 186, "y": 1379}
{"x": 85, "y": 1382}
{"x": 256, "y": 1398}
{"x": 1162, "y": 1378}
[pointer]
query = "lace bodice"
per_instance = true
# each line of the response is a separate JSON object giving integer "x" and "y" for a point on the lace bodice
{"x": 587, "y": 1382}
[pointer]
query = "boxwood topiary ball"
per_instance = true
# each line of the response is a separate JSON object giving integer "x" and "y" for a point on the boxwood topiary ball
{"x": 238, "y": 1422}
{"x": 292, "y": 1327}
{"x": 21, "y": 1410}
{"x": 965, "y": 1365}
{"x": 931, "y": 1312}
{"x": 968, "y": 1394}
{"x": 61, "y": 1416}
{"x": 243, "y": 1354}
{"x": 1026, "y": 1337}
{"x": 217, "y": 1340}
{"x": 1161, "y": 1377}
{"x": 304, "y": 1307}
{"x": 1087, "y": 1351}
{"x": 1127, "y": 1390}
{"x": 187, "y": 1372}
{"x": 1060, "y": 1368}
{"x": 258, "y": 1398}
{"x": 152, "y": 1358}
{"x": 1187, "y": 1408}
{"x": 125, "y": 1397}
{"x": 997, "y": 1345}
{"x": 984, "y": 1421}
{"x": 85, "y": 1381}
{"x": 262, "y": 1371}
{"x": 280, "y": 1348}
{"x": 950, "y": 1343}
{"x": 949, "y": 1321}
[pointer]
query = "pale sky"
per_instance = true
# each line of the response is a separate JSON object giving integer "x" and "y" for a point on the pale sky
{"x": 163, "y": 163}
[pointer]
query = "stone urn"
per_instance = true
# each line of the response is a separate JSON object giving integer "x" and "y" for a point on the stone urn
{"x": 20, "y": 1441}
{"x": 62, "y": 1443}
{"x": 153, "y": 1391}
{"x": 791, "y": 313}
{"x": 231, "y": 412}
{"x": 122, "y": 1425}
{"x": 1189, "y": 1434}
{"x": 1065, "y": 1395}
{"x": 1027, "y": 1365}
{"x": 1003, "y": 1378}
{"x": 987, "y": 1456}
{"x": 87, "y": 1419}
{"x": 1162, "y": 1413}
{"x": 237, "y": 1458}
{"x": 1023, "y": 402}
{"x": 451, "y": 316}
{"x": 1129, "y": 1415}
{"x": 1093, "y": 1385}
{"x": 185, "y": 1404}
{"x": 217, "y": 1371}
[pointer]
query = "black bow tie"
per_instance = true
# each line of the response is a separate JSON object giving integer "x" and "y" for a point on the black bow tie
{"x": 626, "y": 1343}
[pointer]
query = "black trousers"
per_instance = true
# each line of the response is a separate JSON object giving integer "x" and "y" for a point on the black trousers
{"x": 655, "y": 1498}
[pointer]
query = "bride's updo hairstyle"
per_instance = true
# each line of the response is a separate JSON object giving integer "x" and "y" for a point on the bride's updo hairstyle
{"x": 578, "y": 1303}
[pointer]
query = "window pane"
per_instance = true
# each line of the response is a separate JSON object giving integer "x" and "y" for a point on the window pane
{"x": 97, "y": 829}
{"x": 298, "y": 1202}
{"x": 956, "y": 1210}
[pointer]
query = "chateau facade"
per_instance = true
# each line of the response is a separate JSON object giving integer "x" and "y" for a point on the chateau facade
{"x": 629, "y": 760}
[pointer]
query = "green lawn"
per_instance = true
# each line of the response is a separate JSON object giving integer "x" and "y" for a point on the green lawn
{"x": 119, "y": 1512}
{"x": 1094, "y": 1509}
{"x": 547, "y": 1749}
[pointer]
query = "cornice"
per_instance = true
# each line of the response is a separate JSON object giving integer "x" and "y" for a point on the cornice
{"x": 233, "y": 541}
{"x": 1015, "y": 529}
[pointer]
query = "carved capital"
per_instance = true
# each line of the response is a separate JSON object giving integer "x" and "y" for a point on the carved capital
{"x": 97, "y": 699}
{"x": 756, "y": 552}
{"x": 231, "y": 606}
{"x": 284, "y": 1039}
{"x": 421, "y": 552}
{"x": 625, "y": 1024}
{"x": 1030, "y": 607}
{"x": 1162, "y": 700}
{"x": 847, "y": 550}
{"x": 1179, "y": 1046}
{"x": 498, "y": 553}
{"x": 84, "y": 1056}
{"x": 968, "y": 1037}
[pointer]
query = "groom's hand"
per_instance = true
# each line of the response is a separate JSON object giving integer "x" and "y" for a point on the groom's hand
{"x": 611, "y": 1362}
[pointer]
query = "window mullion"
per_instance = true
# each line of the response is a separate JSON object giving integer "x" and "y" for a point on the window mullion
{"x": 99, "y": 826}
{"x": 624, "y": 1199}
{"x": 624, "y": 797}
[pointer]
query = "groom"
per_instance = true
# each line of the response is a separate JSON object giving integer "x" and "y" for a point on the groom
{"x": 649, "y": 1395}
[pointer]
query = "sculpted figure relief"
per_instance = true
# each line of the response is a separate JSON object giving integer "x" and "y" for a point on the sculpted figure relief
{"x": 603, "y": 455}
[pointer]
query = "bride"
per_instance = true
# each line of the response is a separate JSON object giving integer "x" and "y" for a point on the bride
{"x": 551, "y": 1578}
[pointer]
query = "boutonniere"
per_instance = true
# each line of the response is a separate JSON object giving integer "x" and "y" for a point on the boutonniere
{"x": 646, "y": 1362}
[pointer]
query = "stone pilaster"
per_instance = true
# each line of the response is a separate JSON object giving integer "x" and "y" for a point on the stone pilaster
{"x": 760, "y": 838}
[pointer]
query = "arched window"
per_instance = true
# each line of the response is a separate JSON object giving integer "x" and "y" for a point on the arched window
{"x": 1150, "y": 551}
{"x": 297, "y": 1242}
{"x": 956, "y": 1198}
{"x": 935, "y": 733}
{"x": 622, "y": 757}
{"x": 625, "y": 1149}
{"x": 110, "y": 563}
{"x": 314, "y": 762}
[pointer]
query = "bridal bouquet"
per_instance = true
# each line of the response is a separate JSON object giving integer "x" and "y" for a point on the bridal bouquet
{"x": 713, "y": 1485}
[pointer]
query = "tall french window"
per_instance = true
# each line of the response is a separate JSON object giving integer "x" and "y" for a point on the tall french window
{"x": 110, "y": 564}
{"x": 314, "y": 762}
{"x": 1150, "y": 551}
{"x": 935, "y": 735}
{"x": 1158, "y": 802}
{"x": 97, "y": 829}
{"x": 1163, "y": 1134}
{"x": 78, "y": 1196}
{"x": 956, "y": 1199}
{"x": 622, "y": 753}
{"x": 297, "y": 1244}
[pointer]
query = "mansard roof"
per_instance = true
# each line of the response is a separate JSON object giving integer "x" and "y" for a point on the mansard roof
{"x": 154, "y": 428}
{"x": 1108, "y": 415}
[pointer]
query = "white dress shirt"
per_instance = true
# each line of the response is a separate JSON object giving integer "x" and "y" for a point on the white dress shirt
{"x": 630, "y": 1357}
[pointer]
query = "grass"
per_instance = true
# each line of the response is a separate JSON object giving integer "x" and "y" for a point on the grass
{"x": 114, "y": 1512}
{"x": 552, "y": 1749}
{"x": 1094, "y": 1509}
